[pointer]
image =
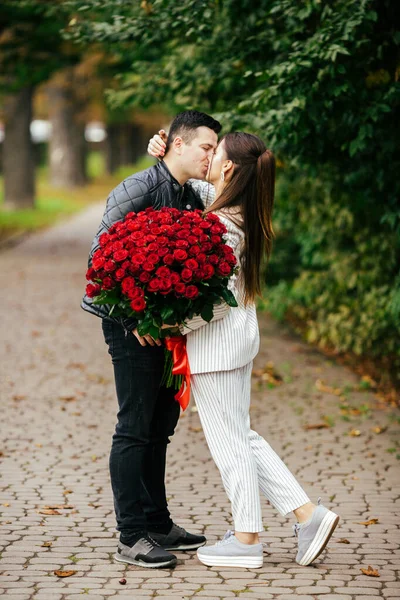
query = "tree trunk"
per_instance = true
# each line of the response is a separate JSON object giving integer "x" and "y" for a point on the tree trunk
{"x": 18, "y": 155}
{"x": 124, "y": 145}
{"x": 67, "y": 146}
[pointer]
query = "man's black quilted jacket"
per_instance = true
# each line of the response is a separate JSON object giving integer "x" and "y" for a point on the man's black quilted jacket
{"x": 154, "y": 187}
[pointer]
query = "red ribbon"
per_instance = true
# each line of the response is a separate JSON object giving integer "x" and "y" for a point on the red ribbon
{"x": 177, "y": 345}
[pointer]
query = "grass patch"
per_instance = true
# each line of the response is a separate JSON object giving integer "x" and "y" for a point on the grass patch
{"x": 52, "y": 204}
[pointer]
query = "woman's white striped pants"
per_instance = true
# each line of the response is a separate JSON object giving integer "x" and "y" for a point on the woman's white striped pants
{"x": 245, "y": 460}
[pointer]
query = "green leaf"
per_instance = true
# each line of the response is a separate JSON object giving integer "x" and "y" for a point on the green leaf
{"x": 229, "y": 297}
{"x": 207, "y": 313}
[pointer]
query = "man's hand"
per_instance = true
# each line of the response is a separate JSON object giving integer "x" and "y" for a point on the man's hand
{"x": 146, "y": 339}
{"x": 157, "y": 144}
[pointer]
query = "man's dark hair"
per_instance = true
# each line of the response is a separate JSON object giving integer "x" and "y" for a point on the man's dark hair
{"x": 185, "y": 124}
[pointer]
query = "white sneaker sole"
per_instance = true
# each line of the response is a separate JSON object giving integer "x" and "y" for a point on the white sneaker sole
{"x": 322, "y": 537}
{"x": 141, "y": 563}
{"x": 246, "y": 562}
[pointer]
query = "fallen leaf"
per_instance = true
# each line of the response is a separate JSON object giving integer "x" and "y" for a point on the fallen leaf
{"x": 49, "y": 511}
{"x": 370, "y": 572}
{"x": 68, "y": 506}
{"x": 46, "y": 545}
{"x": 6, "y": 504}
{"x": 379, "y": 429}
{"x": 39, "y": 445}
{"x": 367, "y": 523}
{"x": 195, "y": 429}
{"x": 18, "y": 397}
{"x": 67, "y": 492}
{"x": 322, "y": 387}
{"x": 76, "y": 365}
{"x": 355, "y": 432}
{"x": 76, "y": 414}
{"x": 268, "y": 374}
{"x": 94, "y": 458}
{"x": 64, "y": 573}
{"x": 316, "y": 426}
{"x": 92, "y": 426}
{"x": 67, "y": 398}
{"x": 343, "y": 541}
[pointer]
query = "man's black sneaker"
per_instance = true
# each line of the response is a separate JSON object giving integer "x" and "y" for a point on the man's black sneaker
{"x": 178, "y": 539}
{"x": 145, "y": 553}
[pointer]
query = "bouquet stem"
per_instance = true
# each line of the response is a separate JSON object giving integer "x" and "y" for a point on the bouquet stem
{"x": 168, "y": 379}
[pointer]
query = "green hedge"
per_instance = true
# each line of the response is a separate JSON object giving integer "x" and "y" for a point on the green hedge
{"x": 334, "y": 271}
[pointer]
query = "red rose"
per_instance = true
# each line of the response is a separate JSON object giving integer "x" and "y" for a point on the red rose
{"x": 191, "y": 292}
{"x": 194, "y": 250}
{"x": 163, "y": 251}
{"x": 186, "y": 275}
{"x": 138, "y": 304}
{"x": 98, "y": 263}
{"x": 224, "y": 268}
{"x": 182, "y": 244}
{"x": 107, "y": 283}
{"x": 215, "y": 239}
{"x": 153, "y": 285}
{"x": 165, "y": 286}
{"x": 137, "y": 235}
{"x": 204, "y": 225}
{"x": 213, "y": 259}
{"x": 118, "y": 245}
{"x": 148, "y": 266}
{"x": 206, "y": 247}
{"x": 168, "y": 259}
{"x": 103, "y": 239}
{"x": 191, "y": 264}
{"x": 180, "y": 255}
{"x": 163, "y": 272}
{"x": 180, "y": 289}
{"x": 110, "y": 266}
{"x": 128, "y": 284}
{"x": 144, "y": 277}
{"x": 119, "y": 274}
{"x": 153, "y": 257}
{"x": 120, "y": 255}
{"x": 174, "y": 277}
{"x": 231, "y": 260}
{"x": 92, "y": 290}
{"x": 208, "y": 271}
{"x": 90, "y": 274}
{"x": 201, "y": 258}
{"x": 107, "y": 252}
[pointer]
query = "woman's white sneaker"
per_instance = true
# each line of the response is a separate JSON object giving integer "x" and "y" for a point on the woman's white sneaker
{"x": 229, "y": 552}
{"x": 314, "y": 535}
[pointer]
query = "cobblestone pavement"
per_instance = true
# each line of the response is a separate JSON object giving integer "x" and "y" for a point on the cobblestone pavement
{"x": 58, "y": 415}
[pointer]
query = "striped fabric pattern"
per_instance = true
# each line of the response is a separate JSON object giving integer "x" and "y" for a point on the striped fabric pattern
{"x": 247, "y": 463}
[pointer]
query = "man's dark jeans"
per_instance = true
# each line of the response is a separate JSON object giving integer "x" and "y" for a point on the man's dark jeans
{"x": 147, "y": 417}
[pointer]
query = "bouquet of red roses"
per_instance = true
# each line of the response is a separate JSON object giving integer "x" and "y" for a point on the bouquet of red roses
{"x": 162, "y": 266}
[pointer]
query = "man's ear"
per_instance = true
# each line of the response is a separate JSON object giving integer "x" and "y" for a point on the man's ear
{"x": 177, "y": 145}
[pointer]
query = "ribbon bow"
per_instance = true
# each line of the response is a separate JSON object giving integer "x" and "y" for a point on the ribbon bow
{"x": 180, "y": 366}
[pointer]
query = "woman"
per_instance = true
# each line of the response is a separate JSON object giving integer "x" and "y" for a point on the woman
{"x": 221, "y": 354}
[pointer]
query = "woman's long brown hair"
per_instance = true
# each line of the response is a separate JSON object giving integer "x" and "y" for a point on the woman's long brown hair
{"x": 251, "y": 190}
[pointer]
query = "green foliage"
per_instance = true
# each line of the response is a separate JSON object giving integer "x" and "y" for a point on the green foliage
{"x": 318, "y": 81}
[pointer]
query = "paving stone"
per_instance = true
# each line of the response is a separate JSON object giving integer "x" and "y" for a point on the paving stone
{"x": 49, "y": 449}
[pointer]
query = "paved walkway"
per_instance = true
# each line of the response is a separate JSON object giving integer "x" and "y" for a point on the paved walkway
{"x": 58, "y": 415}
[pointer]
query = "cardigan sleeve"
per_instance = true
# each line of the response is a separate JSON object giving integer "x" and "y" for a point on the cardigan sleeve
{"x": 205, "y": 190}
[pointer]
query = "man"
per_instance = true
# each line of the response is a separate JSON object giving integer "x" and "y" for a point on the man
{"x": 148, "y": 412}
